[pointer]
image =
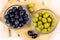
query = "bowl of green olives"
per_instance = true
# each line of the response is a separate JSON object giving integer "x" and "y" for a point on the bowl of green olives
{"x": 44, "y": 21}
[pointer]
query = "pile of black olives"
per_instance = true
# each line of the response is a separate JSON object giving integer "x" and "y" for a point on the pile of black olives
{"x": 16, "y": 17}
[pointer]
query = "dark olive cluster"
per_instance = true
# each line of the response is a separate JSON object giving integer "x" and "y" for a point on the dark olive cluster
{"x": 34, "y": 35}
{"x": 16, "y": 17}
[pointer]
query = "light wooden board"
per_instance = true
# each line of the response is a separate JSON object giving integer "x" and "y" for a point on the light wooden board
{"x": 23, "y": 31}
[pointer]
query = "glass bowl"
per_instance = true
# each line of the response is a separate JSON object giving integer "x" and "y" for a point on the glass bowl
{"x": 27, "y": 12}
{"x": 52, "y": 13}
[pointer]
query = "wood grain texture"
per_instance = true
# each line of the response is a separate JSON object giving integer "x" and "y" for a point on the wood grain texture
{"x": 23, "y": 31}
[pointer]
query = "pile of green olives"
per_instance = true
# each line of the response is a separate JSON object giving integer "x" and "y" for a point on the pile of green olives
{"x": 43, "y": 21}
{"x": 30, "y": 7}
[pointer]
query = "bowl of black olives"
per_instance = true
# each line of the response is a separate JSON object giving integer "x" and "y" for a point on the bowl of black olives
{"x": 44, "y": 21}
{"x": 16, "y": 16}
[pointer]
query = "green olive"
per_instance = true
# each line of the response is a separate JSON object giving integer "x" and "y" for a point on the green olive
{"x": 41, "y": 26}
{"x": 49, "y": 19}
{"x": 43, "y": 11}
{"x": 39, "y": 22}
{"x": 31, "y": 10}
{"x": 40, "y": 18}
{"x": 40, "y": 14}
{"x": 30, "y": 5}
{"x": 36, "y": 15}
{"x": 35, "y": 24}
{"x": 38, "y": 29}
{"x": 35, "y": 19}
{"x": 44, "y": 31}
{"x": 49, "y": 29}
{"x": 46, "y": 25}
{"x": 53, "y": 23}
{"x": 44, "y": 20}
{"x": 46, "y": 15}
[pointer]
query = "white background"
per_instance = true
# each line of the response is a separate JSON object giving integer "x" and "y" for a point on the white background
{"x": 53, "y": 4}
